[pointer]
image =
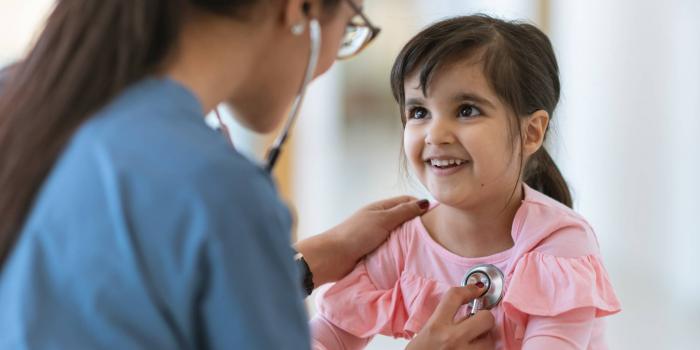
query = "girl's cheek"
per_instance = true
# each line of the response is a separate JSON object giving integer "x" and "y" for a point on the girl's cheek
{"x": 411, "y": 144}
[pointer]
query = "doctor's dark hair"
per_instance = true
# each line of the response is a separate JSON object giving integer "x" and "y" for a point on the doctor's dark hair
{"x": 519, "y": 64}
{"x": 87, "y": 53}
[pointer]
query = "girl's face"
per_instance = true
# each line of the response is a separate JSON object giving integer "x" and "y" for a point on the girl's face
{"x": 457, "y": 138}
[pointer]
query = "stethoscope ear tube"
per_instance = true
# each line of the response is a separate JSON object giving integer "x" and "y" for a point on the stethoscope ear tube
{"x": 314, "y": 52}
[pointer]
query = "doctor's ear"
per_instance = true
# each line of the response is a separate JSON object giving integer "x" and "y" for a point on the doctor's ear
{"x": 298, "y": 13}
{"x": 534, "y": 129}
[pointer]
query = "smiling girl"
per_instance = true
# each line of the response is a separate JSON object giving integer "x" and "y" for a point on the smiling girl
{"x": 477, "y": 95}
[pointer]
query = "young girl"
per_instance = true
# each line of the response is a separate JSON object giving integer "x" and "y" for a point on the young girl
{"x": 476, "y": 97}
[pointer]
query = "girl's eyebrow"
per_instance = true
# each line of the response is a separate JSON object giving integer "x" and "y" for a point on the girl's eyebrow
{"x": 414, "y": 101}
{"x": 460, "y": 97}
{"x": 473, "y": 97}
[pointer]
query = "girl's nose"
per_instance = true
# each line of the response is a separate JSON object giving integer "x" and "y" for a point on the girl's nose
{"x": 439, "y": 132}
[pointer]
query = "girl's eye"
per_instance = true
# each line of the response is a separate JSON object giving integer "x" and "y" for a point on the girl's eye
{"x": 468, "y": 111}
{"x": 417, "y": 113}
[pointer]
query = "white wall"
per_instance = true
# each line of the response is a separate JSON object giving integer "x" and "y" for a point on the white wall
{"x": 629, "y": 143}
{"x": 18, "y": 23}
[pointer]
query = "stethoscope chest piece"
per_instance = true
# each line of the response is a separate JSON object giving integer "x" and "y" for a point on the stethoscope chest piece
{"x": 492, "y": 278}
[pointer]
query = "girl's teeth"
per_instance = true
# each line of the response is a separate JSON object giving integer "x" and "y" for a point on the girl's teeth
{"x": 446, "y": 162}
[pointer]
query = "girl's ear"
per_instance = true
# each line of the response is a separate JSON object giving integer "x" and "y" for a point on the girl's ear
{"x": 534, "y": 130}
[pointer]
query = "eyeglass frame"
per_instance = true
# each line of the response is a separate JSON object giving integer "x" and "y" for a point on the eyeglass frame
{"x": 374, "y": 30}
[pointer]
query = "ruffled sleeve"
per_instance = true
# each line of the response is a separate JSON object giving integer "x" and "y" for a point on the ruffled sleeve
{"x": 356, "y": 305}
{"x": 380, "y": 296}
{"x": 547, "y": 285}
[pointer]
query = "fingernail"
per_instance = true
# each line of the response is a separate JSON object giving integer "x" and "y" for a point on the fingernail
{"x": 423, "y": 204}
{"x": 480, "y": 285}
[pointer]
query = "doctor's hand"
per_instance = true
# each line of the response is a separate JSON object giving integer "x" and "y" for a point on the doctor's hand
{"x": 333, "y": 254}
{"x": 443, "y": 332}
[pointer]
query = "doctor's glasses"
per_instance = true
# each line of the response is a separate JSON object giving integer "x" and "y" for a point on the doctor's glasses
{"x": 359, "y": 33}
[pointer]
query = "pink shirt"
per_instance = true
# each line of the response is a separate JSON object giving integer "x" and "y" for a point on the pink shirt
{"x": 556, "y": 289}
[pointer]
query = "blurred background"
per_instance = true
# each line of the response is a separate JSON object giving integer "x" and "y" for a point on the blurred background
{"x": 625, "y": 135}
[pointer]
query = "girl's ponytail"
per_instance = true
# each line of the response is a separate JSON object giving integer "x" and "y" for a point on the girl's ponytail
{"x": 543, "y": 175}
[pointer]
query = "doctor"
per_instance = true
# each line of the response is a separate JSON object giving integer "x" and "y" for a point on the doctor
{"x": 127, "y": 223}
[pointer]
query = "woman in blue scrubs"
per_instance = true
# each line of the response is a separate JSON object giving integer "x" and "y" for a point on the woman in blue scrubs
{"x": 127, "y": 223}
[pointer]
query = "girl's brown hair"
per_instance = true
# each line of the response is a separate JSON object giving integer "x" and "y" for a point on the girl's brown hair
{"x": 518, "y": 62}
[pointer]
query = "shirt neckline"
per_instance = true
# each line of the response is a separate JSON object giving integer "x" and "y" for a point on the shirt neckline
{"x": 470, "y": 261}
{"x": 462, "y": 260}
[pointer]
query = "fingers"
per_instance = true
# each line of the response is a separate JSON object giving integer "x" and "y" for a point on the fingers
{"x": 392, "y": 202}
{"x": 404, "y": 212}
{"x": 483, "y": 342}
{"x": 441, "y": 330}
{"x": 478, "y": 325}
{"x": 453, "y": 300}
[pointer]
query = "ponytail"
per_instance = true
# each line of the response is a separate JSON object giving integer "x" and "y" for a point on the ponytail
{"x": 543, "y": 175}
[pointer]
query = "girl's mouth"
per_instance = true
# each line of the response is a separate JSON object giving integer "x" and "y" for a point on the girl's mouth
{"x": 444, "y": 167}
{"x": 446, "y": 163}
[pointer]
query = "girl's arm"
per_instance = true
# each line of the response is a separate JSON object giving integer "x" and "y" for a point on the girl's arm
{"x": 441, "y": 332}
{"x": 326, "y": 336}
{"x": 568, "y": 331}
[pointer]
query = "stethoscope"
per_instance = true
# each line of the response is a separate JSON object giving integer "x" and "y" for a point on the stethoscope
{"x": 493, "y": 281}
{"x": 314, "y": 52}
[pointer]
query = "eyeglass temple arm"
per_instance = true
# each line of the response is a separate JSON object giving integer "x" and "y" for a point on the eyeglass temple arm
{"x": 359, "y": 11}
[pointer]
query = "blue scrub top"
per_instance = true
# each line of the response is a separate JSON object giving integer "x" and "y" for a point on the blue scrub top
{"x": 151, "y": 232}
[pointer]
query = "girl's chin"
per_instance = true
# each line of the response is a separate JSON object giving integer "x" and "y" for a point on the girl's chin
{"x": 453, "y": 198}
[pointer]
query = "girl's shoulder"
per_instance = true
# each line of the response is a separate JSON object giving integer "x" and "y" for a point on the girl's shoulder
{"x": 544, "y": 225}
{"x": 557, "y": 264}
{"x": 409, "y": 232}
{"x": 386, "y": 264}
